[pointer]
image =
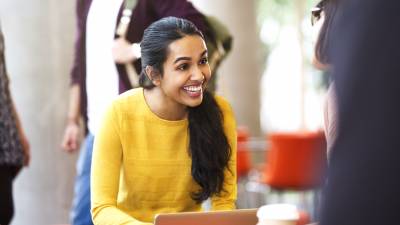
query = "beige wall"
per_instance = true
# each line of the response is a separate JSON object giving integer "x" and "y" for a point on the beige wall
{"x": 240, "y": 74}
{"x": 39, "y": 41}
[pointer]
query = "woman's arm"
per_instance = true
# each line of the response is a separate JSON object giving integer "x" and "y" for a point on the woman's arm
{"x": 226, "y": 200}
{"x": 105, "y": 174}
{"x": 70, "y": 141}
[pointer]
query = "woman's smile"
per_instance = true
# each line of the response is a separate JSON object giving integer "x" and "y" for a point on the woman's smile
{"x": 194, "y": 91}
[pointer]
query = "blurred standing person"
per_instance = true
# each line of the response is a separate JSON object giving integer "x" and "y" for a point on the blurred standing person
{"x": 14, "y": 146}
{"x": 98, "y": 74}
{"x": 363, "y": 180}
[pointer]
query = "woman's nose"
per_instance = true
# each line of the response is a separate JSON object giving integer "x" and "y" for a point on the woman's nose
{"x": 197, "y": 74}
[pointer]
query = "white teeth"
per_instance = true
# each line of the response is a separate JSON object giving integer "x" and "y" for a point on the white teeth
{"x": 193, "y": 88}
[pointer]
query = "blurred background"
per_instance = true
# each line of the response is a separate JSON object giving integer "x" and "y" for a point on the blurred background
{"x": 267, "y": 77}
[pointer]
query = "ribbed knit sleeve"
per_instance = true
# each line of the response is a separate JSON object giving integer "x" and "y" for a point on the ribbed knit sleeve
{"x": 105, "y": 174}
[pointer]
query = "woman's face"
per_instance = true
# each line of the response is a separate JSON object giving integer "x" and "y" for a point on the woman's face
{"x": 315, "y": 33}
{"x": 317, "y": 27}
{"x": 186, "y": 71}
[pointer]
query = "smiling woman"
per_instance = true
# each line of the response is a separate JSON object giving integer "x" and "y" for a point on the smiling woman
{"x": 185, "y": 74}
{"x": 170, "y": 145}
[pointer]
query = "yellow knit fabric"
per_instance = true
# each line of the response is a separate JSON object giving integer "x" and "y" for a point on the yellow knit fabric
{"x": 141, "y": 166}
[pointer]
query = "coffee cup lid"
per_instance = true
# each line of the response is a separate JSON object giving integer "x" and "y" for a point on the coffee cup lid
{"x": 278, "y": 212}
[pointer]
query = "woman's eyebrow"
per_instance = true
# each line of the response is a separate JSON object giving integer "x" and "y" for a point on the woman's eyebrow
{"x": 189, "y": 58}
{"x": 182, "y": 58}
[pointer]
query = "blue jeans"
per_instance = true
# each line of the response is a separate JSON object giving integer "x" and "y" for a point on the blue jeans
{"x": 80, "y": 213}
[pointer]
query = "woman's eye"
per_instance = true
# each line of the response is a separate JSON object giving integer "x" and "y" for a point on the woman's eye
{"x": 183, "y": 67}
{"x": 204, "y": 61}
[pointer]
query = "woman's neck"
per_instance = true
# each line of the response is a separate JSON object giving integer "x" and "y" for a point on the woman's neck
{"x": 163, "y": 107}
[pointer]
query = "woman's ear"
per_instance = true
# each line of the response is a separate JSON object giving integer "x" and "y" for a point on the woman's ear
{"x": 153, "y": 75}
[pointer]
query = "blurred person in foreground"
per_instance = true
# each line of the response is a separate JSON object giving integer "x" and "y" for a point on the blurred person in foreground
{"x": 364, "y": 182}
{"x": 14, "y": 146}
{"x": 323, "y": 14}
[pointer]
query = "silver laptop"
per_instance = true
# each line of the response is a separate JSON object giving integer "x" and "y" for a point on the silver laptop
{"x": 233, "y": 217}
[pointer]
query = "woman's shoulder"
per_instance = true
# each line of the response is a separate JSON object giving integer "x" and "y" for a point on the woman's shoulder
{"x": 128, "y": 100}
{"x": 224, "y": 105}
{"x": 227, "y": 112}
{"x": 128, "y": 96}
{"x": 222, "y": 102}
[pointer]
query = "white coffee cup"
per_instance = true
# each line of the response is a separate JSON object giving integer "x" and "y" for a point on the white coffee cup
{"x": 278, "y": 214}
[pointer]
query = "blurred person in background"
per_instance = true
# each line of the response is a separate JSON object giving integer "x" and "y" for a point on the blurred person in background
{"x": 14, "y": 146}
{"x": 99, "y": 75}
{"x": 170, "y": 145}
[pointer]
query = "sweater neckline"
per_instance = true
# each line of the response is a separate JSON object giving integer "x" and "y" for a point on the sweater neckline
{"x": 156, "y": 117}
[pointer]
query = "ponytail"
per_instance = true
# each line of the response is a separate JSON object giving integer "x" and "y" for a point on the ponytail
{"x": 209, "y": 147}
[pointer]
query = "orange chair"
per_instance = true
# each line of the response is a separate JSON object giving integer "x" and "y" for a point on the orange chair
{"x": 243, "y": 157}
{"x": 296, "y": 162}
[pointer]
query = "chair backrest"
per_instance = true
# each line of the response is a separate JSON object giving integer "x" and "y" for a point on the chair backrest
{"x": 243, "y": 156}
{"x": 295, "y": 160}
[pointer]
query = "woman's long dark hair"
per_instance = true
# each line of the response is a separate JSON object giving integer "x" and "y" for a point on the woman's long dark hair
{"x": 209, "y": 147}
{"x": 329, "y": 8}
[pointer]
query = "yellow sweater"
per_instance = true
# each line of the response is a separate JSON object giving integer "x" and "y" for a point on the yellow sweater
{"x": 141, "y": 165}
